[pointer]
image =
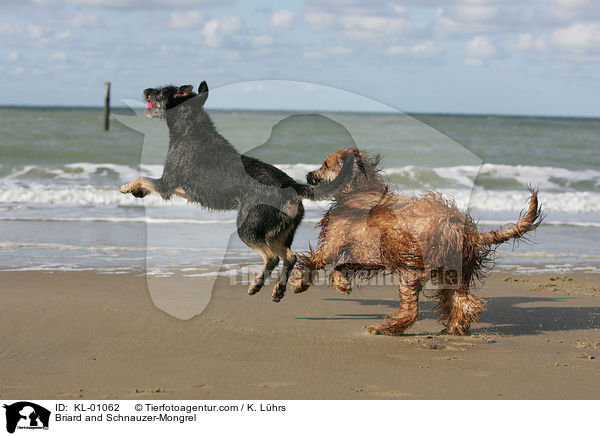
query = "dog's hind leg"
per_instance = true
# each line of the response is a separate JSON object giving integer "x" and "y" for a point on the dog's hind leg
{"x": 397, "y": 323}
{"x": 304, "y": 275}
{"x": 271, "y": 261}
{"x": 340, "y": 279}
{"x": 281, "y": 246}
{"x": 289, "y": 260}
{"x": 458, "y": 309}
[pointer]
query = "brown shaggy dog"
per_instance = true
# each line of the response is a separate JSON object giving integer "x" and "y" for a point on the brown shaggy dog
{"x": 368, "y": 230}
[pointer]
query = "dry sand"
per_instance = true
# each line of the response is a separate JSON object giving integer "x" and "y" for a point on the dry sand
{"x": 84, "y": 335}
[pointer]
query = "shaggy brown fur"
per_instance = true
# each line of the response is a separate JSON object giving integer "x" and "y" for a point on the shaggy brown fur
{"x": 369, "y": 230}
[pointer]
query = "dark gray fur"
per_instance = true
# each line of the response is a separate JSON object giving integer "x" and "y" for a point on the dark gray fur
{"x": 212, "y": 173}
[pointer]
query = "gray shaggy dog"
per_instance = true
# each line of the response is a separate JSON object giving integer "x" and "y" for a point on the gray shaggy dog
{"x": 203, "y": 167}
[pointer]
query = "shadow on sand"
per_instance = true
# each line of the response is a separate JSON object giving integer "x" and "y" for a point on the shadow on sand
{"x": 504, "y": 313}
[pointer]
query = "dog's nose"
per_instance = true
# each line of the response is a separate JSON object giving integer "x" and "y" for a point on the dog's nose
{"x": 310, "y": 178}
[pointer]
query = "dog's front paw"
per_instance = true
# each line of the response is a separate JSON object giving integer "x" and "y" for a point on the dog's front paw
{"x": 341, "y": 283}
{"x": 126, "y": 189}
{"x": 373, "y": 329}
{"x": 385, "y": 329}
{"x": 256, "y": 286}
{"x": 456, "y": 331}
{"x": 278, "y": 293}
{"x": 298, "y": 282}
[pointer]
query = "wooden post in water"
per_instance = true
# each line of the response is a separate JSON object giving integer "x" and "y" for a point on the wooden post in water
{"x": 106, "y": 104}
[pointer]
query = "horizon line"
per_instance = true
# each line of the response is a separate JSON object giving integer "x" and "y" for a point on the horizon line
{"x": 341, "y": 111}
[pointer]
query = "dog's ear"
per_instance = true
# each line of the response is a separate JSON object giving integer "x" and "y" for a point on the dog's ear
{"x": 360, "y": 163}
{"x": 202, "y": 93}
{"x": 185, "y": 90}
{"x": 203, "y": 88}
{"x": 358, "y": 160}
{"x": 356, "y": 152}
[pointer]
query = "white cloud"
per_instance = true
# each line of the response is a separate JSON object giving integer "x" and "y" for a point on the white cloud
{"x": 282, "y": 19}
{"x": 251, "y": 88}
{"x": 320, "y": 20}
{"x": 529, "y": 42}
{"x": 216, "y": 30}
{"x": 424, "y": 49}
{"x": 34, "y": 31}
{"x": 9, "y": 28}
{"x": 365, "y": 7}
{"x": 574, "y": 9}
{"x": 578, "y": 37}
{"x": 13, "y": 56}
{"x": 396, "y": 50}
{"x": 399, "y": 9}
{"x": 312, "y": 55}
{"x": 186, "y": 20}
{"x": 473, "y": 62}
{"x": 339, "y": 50}
{"x": 478, "y": 49}
{"x": 262, "y": 41}
{"x": 84, "y": 20}
{"x": 59, "y": 56}
{"x": 470, "y": 11}
{"x": 465, "y": 19}
{"x": 147, "y": 4}
{"x": 373, "y": 27}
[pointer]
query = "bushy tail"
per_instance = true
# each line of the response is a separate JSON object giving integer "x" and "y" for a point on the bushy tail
{"x": 528, "y": 222}
{"x": 326, "y": 190}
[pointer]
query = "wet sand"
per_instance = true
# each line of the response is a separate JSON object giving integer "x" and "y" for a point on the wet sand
{"x": 69, "y": 335}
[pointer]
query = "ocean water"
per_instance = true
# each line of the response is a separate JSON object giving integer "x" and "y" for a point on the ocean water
{"x": 60, "y": 208}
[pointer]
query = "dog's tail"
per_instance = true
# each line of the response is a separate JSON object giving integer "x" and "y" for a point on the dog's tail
{"x": 326, "y": 190}
{"x": 530, "y": 221}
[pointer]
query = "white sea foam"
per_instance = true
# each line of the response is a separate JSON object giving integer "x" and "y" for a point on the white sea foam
{"x": 80, "y": 195}
{"x": 84, "y": 171}
{"x": 178, "y": 221}
{"x": 14, "y": 245}
{"x": 115, "y": 219}
{"x": 544, "y": 254}
{"x": 543, "y": 177}
{"x": 575, "y": 202}
{"x": 461, "y": 175}
{"x": 555, "y": 184}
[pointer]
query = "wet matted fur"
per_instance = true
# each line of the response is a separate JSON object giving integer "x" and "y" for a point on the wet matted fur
{"x": 203, "y": 167}
{"x": 369, "y": 230}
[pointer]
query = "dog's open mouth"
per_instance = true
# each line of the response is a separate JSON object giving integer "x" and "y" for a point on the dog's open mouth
{"x": 152, "y": 109}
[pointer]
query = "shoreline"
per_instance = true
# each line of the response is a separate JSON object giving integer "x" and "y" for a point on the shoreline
{"x": 72, "y": 335}
{"x": 392, "y": 111}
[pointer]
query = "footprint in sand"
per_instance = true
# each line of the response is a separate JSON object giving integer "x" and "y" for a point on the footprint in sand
{"x": 392, "y": 394}
{"x": 275, "y": 384}
{"x": 371, "y": 389}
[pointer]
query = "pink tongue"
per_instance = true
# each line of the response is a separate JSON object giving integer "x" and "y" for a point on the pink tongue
{"x": 150, "y": 104}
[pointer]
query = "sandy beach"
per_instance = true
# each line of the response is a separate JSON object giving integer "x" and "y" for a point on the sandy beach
{"x": 69, "y": 335}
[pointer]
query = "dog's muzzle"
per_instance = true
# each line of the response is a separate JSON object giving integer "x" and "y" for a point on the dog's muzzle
{"x": 311, "y": 179}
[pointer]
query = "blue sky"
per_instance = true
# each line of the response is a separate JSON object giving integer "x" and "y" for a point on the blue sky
{"x": 457, "y": 56}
